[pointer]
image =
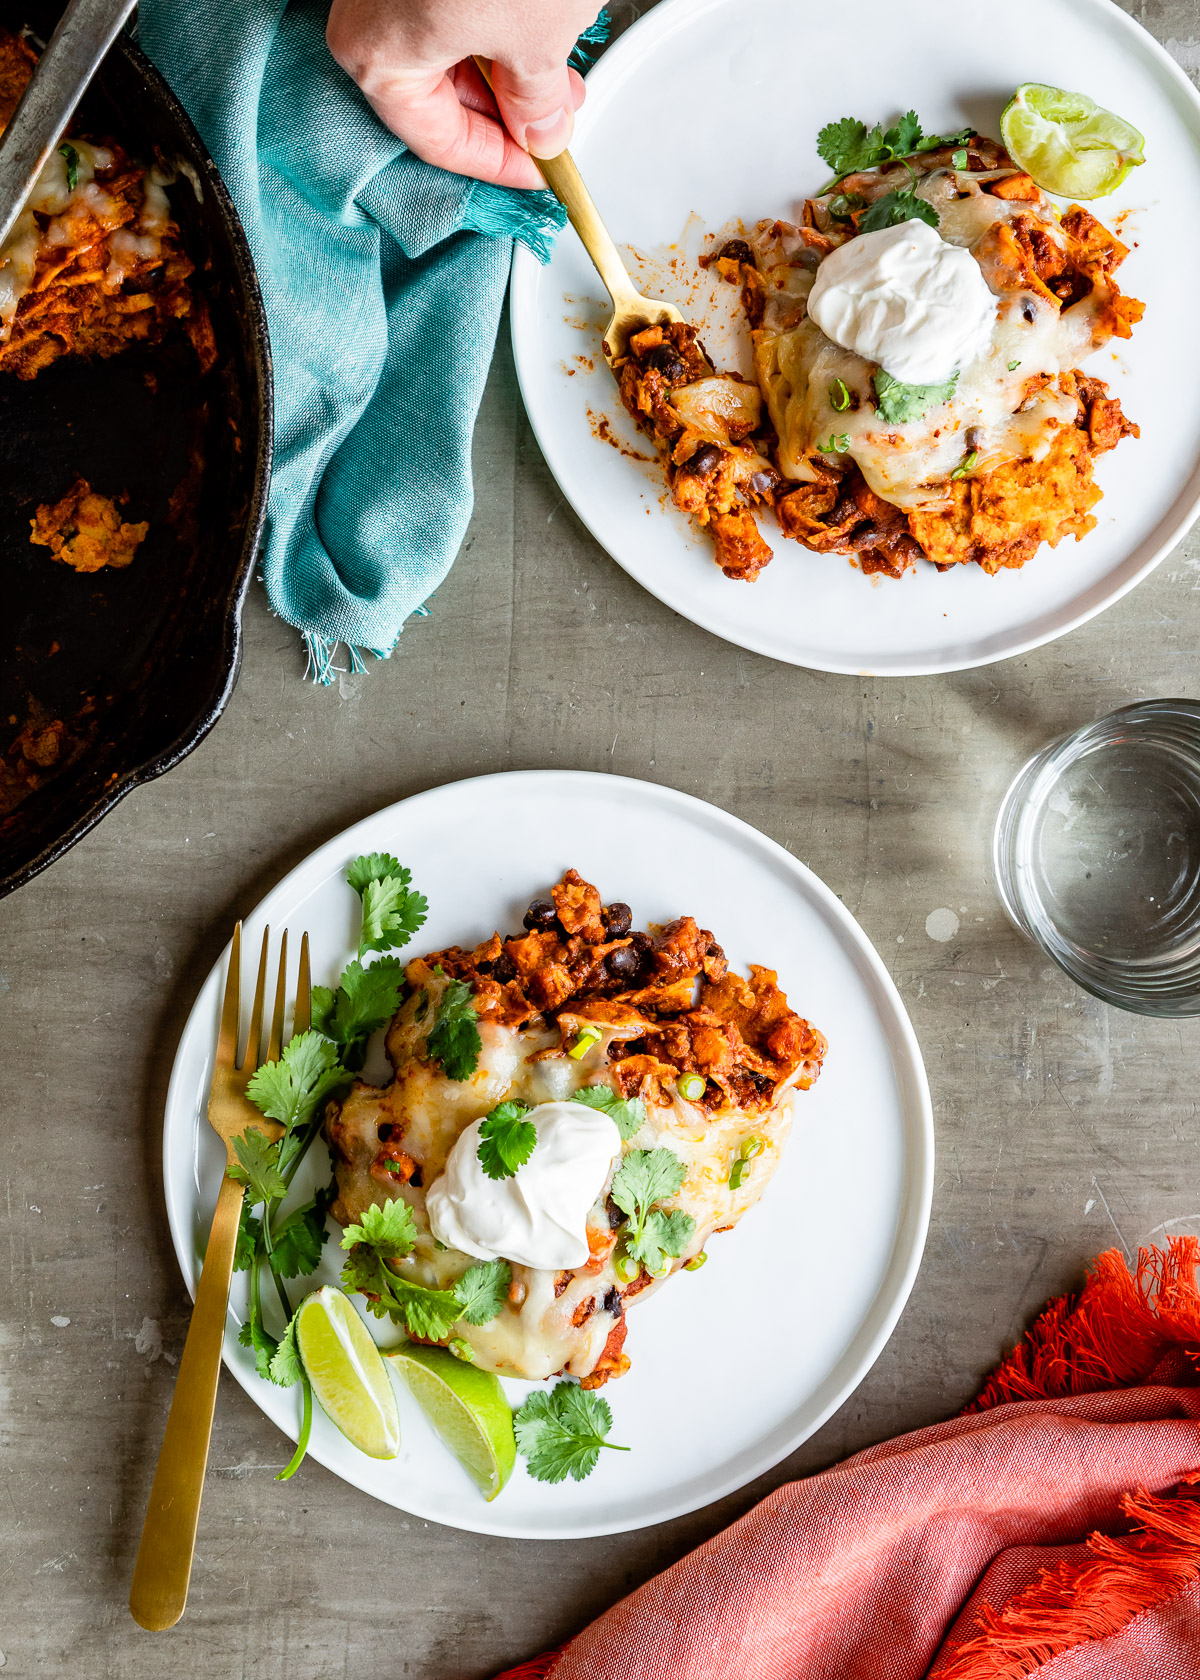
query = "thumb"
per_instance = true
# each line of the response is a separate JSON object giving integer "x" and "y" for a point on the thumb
{"x": 538, "y": 107}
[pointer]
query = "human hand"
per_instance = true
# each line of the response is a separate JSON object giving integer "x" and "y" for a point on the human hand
{"x": 413, "y": 61}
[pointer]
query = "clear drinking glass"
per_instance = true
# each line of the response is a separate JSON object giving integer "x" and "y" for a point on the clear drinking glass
{"x": 1097, "y": 856}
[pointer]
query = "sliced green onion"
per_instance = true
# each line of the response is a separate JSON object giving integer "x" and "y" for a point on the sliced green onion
{"x": 839, "y": 396}
{"x": 583, "y": 1042}
{"x": 695, "y": 1263}
{"x": 966, "y": 465}
{"x": 752, "y": 1148}
{"x": 626, "y": 1267}
{"x": 72, "y": 161}
{"x": 394, "y": 1166}
{"x": 737, "y": 1174}
{"x": 691, "y": 1086}
{"x": 838, "y": 443}
{"x": 1013, "y": 366}
{"x": 959, "y": 159}
{"x": 461, "y": 1348}
{"x": 663, "y": 1267}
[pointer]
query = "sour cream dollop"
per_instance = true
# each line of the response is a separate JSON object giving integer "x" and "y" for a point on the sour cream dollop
{"x": 905, "y": 298}
{"x": 539, "y": 1216}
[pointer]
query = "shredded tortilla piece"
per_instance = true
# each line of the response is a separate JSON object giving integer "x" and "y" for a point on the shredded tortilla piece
{"x": 85, "y": 531}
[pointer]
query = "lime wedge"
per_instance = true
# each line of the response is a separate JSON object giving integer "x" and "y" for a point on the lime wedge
{"x": 347, "y": 1373}
{"x": 468, "y": 1409}
{"x": 1071, "y": 146}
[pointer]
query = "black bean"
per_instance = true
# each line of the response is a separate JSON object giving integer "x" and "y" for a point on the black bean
{"x": 704, "y": 460}
{"x": 665, "y": 358}
{"x": 623, "y": 963}
{"x": 612, "y": 1302}
{"x": 764, "y": 481}
{"x": 737, "y": 249}
{"x": 641, "y": 943}
{"x": 617, "y": 919}
{"x": 504, "y": 968}
{"x": 615, "y": 1217}
{"x": 1028, "y": 311}
{"x": 416, "y": 1180}
{"x": 540, "y": 914}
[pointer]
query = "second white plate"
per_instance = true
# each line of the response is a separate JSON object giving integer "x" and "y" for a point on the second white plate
{"x": 708, "y": 111}
{"x": 735, "y": 1365}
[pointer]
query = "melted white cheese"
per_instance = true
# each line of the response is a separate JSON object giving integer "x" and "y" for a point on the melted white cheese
{"x": 538, "y": 1216}
{"x": 906, "y": 298}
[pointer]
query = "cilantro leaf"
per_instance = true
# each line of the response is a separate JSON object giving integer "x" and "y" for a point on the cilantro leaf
{"x": 849, "y": 145}
{"x": 663, "y": 1236}
{"x": 560, "y": 1432}
{"x": 285, "y": 1368}
{"x": 387, "y": 1227}
{"x": 292, "y": 1089}
{"x": 483, "y": 1290}
{"x": 366, "y": 1000}
{"x": 629, "y": 1114}
{"x": 71, "y": 156}
{"x": 931, "y": 142}
{"x": 506, "y": 1140}
{"x": 249, "y": 1233}
{"x": 296, "y": 1245}
{"x": 428, "y": 1314}
{"x": 253, "y": 1334}
{"x": 258, "y": 1166}
{"x": 391, "y": 913}
{"x": 454, "y": 1039}
{"x": 905, "y": 136}
{"x": 898, "y": 403}
{"x": 646, "y": 1176}
{"x": 894, "y": 208}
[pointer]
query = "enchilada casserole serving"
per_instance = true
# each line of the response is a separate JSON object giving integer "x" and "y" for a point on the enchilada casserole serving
{"x": 579, "y": 1018}
{"x": 983, "y": 462}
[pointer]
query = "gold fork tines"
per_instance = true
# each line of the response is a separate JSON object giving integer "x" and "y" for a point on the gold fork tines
{"x": 164, "y": 1561}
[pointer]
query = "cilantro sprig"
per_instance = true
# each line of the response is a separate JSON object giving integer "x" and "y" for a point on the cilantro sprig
{"x": 506, "y": 1140}
{"x": 454, "y": 1039}
{"x": 365, "y": 1000}
{"x": 652, "y": 1235}
{"x": 629, "y": 1113}
{"x": 386, "y": 1232}
{"x": 391, "y": 911}
{"x": 900, "y": 205}
{"x": 898, "y": 403}
{"x": 849, "y": 145}
{"x": 294, "y": 1090}
{"x": 560, "y": 1432}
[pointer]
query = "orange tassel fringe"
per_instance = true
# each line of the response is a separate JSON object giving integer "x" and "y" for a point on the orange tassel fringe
{"x": 1119, "y": 1331}
{"x": 1090, "y": 1599}
{"x": 537, "y": 1668}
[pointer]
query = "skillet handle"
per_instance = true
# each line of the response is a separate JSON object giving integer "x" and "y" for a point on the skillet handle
{"x": 85, "y": 32}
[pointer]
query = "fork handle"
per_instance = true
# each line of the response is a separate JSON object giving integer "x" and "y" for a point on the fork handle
{"x": 566, "y": 183}
{"x": 164, "y": 1560}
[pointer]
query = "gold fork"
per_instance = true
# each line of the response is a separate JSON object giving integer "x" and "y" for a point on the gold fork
{"x": 631, "y": 311}
{"x": 164, "y": 1560}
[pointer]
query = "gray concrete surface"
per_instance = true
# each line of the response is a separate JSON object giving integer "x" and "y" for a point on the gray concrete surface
{"x": 1063, "y": 1127}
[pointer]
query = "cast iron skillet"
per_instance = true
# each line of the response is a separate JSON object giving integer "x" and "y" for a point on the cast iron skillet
{"x": 138, "y": 664}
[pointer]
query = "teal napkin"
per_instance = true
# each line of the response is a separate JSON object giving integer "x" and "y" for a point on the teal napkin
{"x": 383, "y": 279}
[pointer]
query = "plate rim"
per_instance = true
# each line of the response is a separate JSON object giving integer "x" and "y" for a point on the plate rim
{"x": 666, "y": 17}
{"x": 915, "y": 1105}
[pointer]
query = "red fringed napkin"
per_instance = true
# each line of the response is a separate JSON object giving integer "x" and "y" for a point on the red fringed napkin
{"x": 1053, "y": 1527}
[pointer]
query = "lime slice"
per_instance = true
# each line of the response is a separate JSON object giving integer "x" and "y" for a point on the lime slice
{"x": 347, "y": 1373}
{"x": 468, "y": 1409}
{"x": 1071, "y": 146}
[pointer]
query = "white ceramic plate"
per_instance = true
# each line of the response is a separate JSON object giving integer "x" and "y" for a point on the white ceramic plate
{"x": 734, "y": 1365}
{"x": 707, "y": 111}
